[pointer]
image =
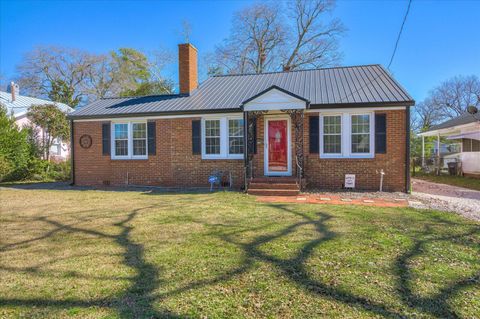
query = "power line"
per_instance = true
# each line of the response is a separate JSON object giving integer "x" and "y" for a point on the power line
{"x": 399, "y": 34}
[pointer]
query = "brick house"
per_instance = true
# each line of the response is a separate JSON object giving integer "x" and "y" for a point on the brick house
{"x": 304, "y": 128}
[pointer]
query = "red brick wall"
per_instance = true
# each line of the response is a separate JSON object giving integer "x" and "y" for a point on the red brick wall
{"x": 330, "y": 173}
{"x": 173, "y": 165}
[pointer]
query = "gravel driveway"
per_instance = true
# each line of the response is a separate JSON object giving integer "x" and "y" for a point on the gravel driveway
{"x": 463, "y": 201}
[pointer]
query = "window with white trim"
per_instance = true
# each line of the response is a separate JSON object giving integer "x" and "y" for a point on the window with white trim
{"x": 361, "y": 134}
{"x": 129, "y": 140}
{"x": 222, "y": 137}
{"x": 347, "y": 135}
{"x": 212, "y": 137}
{"x": 121, "y": 139}
{"x": 332, "y": 134}
{"x": 235, "y": 136}
{"x": 139, "y": 139}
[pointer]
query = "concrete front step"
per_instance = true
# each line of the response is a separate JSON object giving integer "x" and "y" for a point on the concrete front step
{"x": 273, "y": 192}
{"x": 256, "y": 185}
{"x": 274, "y": 180}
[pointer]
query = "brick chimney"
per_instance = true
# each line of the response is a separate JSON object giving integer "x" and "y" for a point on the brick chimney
{"x": 187, "y": 68}
{"x": 14, "y": 90}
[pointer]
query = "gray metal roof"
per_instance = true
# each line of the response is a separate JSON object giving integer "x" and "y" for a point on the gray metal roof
{"x": 465, "y": 118}
{"x": 329, "y": 87}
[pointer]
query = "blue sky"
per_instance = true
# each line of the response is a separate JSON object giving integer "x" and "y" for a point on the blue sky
{"x": 440, "y": 39}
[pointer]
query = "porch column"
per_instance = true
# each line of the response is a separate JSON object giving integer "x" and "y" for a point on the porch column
{"x": 251, "y": 139}
{"x": 423, "y": 151}
{"x": 297, "y": 117}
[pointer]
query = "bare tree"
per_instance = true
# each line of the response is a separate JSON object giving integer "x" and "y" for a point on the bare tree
{"x": 255, "y": 40}
{"x": 313, "y": 43}
{"x": 265, "y": 37}
{"x": 101, "y": 80}
{"x": 425, "y": 115}
{"x": 453, "y": 96}
{"x": 55, "y": 72}
{"x": 446, "y": 101}
{"x": 186, "y": 30}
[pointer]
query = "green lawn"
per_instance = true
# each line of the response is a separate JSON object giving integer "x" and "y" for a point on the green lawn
{"x": 461, "y": 181}
{"x": 98, "y": 254}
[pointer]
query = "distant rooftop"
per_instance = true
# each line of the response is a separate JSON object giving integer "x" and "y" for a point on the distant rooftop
{"x": 463, "y": 119}
{"x": 22, "y": 103}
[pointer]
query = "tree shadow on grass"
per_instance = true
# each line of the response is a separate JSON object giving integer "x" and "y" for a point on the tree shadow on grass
{"x": 139, "y": 298}
{"x": 294, "y": 268}
{"x": 136, "y": 302}
{"x": 436, "y": 304}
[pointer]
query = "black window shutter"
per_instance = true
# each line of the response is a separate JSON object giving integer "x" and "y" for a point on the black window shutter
{"x": 380, "y": 133}
{"x": 152, "y": 140}
{"x": 106, "y": 138}
{"x": 314, "y": 132}
{"x": 196, "y": 137}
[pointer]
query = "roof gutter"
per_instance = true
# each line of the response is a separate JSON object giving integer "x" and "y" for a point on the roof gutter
{"x": 146, "y": 114}
{"x": 366, "y": 104}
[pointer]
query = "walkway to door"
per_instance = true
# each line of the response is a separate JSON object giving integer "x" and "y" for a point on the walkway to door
{"x": 339, "y": 199}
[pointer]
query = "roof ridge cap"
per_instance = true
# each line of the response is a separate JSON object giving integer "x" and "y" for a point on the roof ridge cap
{"x": 293, "y": 71}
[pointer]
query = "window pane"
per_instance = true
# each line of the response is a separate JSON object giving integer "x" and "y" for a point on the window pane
{"x": 236, "y": 145}
{"x": 361, "y": 133}
{"x": 121, "y": 131}
{"x": 140, "y": 147}
{"x": 332, "y": 144}
{"x": 332, "y": 134}
{"x": 212, "y": 137}
{"x": 212, "y": 145}
{"x": 361, "y": 143}
{"x": 361, "y": 123}
{"x": 212, "y": 128}
{"x": 332, "y": 124}
{"x": 121, "y": 147}
{"x": 235, "y": 129}
{"x": 139, "y": 130}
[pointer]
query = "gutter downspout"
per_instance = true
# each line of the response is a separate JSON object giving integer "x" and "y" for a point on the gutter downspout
{"x": 72, "y": 155}
{"x": 245, "y": 148}
{"x": 407, "y": 155}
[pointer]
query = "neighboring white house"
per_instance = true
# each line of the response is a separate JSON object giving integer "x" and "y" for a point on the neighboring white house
{"x": 465, "y": 128}
{"x": 18, "y": 105}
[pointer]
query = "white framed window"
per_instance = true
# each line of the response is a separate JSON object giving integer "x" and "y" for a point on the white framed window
{"x": 129, "y": 140}
{"x": 360, "y": 131}
{"x": 212, "y": 137}
{"x": 139, "y": 136}
{"x": 332, "y": 134}
{"x": 235, "y": 136}
{"x": 347, "y": 135}
{"x": 222, "y": 137}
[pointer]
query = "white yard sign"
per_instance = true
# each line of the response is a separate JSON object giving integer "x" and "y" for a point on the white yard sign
{"x": 349, "y": 180}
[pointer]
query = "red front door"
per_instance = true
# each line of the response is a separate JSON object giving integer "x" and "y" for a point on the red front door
{"x": 277, "y": 146}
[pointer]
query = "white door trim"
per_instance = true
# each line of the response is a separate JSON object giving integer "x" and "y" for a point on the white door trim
{"x": 267, "y": 118}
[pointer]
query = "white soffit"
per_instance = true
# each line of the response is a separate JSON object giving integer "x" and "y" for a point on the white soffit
{"x": 274, "y": 99}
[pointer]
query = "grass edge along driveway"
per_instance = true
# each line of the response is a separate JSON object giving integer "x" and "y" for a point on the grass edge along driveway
{"x": 98, "y": 254}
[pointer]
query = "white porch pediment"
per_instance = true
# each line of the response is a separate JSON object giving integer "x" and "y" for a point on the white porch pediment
{"x": 274, "y": 99}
